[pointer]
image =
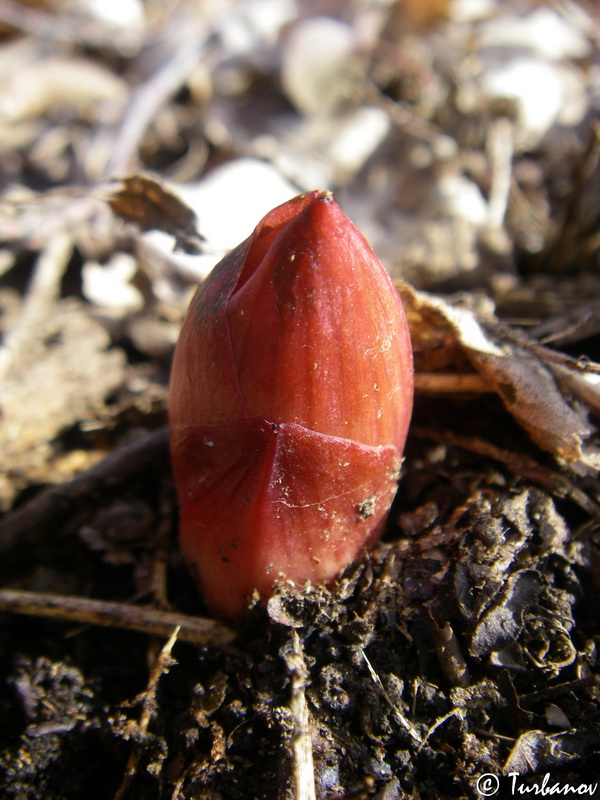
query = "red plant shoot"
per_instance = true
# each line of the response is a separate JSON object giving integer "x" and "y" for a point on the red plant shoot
{"x": 290, "y": 399}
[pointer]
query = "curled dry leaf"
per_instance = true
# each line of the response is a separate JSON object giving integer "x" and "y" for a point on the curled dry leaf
{"x": 32, "y": 219}
{"x": 501, "y": 625}
{"x": 536, "y": 750}
{"x": 549, "y": 400}
{"x": 148, "y": 203}
{"x": 516, "y": 580}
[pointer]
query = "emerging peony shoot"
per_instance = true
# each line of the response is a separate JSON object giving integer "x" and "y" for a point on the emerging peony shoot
{"x": 290, "y": 399}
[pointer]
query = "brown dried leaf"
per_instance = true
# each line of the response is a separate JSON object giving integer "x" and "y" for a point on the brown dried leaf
{"x": 549, "y": 400}
{"x": 63, "y": 377}
{"x": 148, "y": 203}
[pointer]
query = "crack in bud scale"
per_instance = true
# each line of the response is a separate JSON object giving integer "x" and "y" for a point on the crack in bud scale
{"x": 290, "y": 399}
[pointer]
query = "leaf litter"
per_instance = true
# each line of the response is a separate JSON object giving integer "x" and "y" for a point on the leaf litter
{"x": 463, "y": 145}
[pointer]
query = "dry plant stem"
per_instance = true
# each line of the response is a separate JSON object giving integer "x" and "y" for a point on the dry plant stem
{"x": 41, "y": 293}
{"x": 449, "y": 652}
{"x": 82, "y": 610}
{"x": 57, "y": 502}
{"x": 559, "y": 330}
{"x": 553, "y": 692}
{"x": 149, "y": 98}
{"x": 581, "y": 364}
{"x": 518, "y": 463}
{"x": 302, "y": 758}
{"x": 406, "y": 724}
{"x": 160, "y": 559}
{"x": 401, "y": 114}
{"x": 162, "y": 665}
{"x": 451, "y": 383}
{"x": 501, "y": 148}
{"x": 455, "y": 712}
{"x": 160, "y": 563}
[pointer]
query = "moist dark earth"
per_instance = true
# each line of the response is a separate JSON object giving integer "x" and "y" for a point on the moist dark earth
{"x": 462, "y": 645}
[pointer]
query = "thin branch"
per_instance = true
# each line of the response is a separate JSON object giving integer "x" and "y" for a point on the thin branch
{"x": 56, "y": 503}
{"x": 451, "y": 383}
{"x": 547, "y": 354}
{"x": 518, "y": 463}
{"x": 149, "y": 707}
{"x": 82, "y": 610}
{"x": 42, "y": 291}
{"x": 455, "y": 712}
{"x": 151, "y": 95}
{"x": 405, "y": 723}
{"x": 302, "y": 758}
{"x": 501, "y": 149}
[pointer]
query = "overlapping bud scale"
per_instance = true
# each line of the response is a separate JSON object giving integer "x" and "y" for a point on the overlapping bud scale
{"x": 290, "y": 399}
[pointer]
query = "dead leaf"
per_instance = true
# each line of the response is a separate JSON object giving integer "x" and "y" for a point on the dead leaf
{"x": 538, "y": 392}
{"x": 62, "y": 378}
{"x": 148, "y": 203}
{"x": 502, "y": 624}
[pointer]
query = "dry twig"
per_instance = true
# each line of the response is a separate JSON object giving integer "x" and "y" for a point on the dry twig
{"x": 451, "y": 383}
{"x": 82, "y": 610}
{"x": 302, "y": 758}
{"x": 162, "y": 665}
{"x": 41, "y": 294}
{"x": 57, "y": 502}
{"x": 407, "y": 726}
{"x": 150, "y": 96}
{"x": 501, "y": 148}
{"x": 518, "y": 463}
